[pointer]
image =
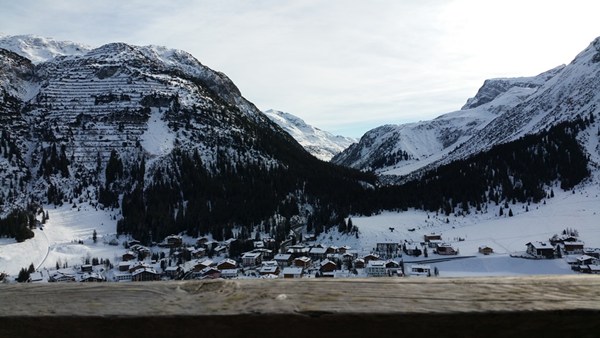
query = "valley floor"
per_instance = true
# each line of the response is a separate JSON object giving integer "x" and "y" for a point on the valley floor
{"x": 67, "y": 236}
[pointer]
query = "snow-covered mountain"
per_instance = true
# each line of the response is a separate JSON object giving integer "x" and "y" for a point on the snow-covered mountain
{"x": 502, "y": 111}
{"x": 321, "y": 144}
{"x": 39, "y": 49}
{"x": 150, "y": 130}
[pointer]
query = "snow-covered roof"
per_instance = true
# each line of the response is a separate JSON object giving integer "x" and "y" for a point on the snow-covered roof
{"x": 292, "y": 271}
{"x": 376, "y": 264}
{"x": 251, "y": 255}
{"x": 227, "y": 261}
{"x": 541, "y": 245}
{"x": 268, "y": 269}
{"x": 327, "y": 261}
{"x": 283, "y": 257}
{"x": 318, "y": 250}
{"x": 585, "y": 258}
{"x": 303, "y": 259}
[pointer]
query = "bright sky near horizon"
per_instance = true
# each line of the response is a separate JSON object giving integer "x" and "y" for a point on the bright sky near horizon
{"x": 345, "y": 66}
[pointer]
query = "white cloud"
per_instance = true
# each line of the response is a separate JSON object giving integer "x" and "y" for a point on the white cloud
{"x": 342, "y": 65}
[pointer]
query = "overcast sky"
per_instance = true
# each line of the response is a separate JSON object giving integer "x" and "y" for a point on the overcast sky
{"x": 344, "y": 66}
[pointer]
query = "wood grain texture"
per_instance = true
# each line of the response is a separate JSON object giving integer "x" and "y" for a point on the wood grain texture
{"x": 477, "y": 305}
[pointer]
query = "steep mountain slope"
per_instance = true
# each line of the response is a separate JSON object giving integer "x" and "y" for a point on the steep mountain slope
{"x": 401, "y": 149}
{"x": 321, "y": 144}
{"x": 502, "y": 111}
{"x": 155, "y": 132}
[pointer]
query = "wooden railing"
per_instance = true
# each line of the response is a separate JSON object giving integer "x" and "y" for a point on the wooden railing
{"x": 549, "y": 306}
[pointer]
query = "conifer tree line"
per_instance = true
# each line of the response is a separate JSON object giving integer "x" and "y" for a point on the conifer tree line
{"x": 523, "y": 171}
{"x": 231, "y": 193}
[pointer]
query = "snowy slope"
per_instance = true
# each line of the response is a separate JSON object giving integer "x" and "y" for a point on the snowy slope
{"x": 502, "y": 111}
{"x": 319, "y": 143}
{"x": 40, "y": 49}
{"x": 401, "y": 149}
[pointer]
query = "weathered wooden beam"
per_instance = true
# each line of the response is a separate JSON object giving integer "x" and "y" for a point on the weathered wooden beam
{"x": 461, "y": 307}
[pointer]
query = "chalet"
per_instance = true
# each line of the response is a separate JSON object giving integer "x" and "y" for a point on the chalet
{"x": 359, "y": 263}
{"x": 344, "y": 249}
{"x": 265, "y": 253}
{"x": 371, "y": 257}
{"x": 594, "y": 252}
{"x": 573, "y": 248}
{"x": 61, "y": 277}
{"x": 172, "y": 241}
{"x": 446, "y": 249}
{"x": 298, "y": 249}
{"x": 292, "y": 272}
{"x": 432, "y": 237}
{"x": 229, "y": 273}
{"x": 302, "y": 262}
{"x": 434, "y": 243}
{"x": 34, "y": 277}
{"x": 198, "y": 253}
{"x": 133, "y": 242}
{"x": 327, "y": 266}
{"x": 251, "y": 259}
{"x": 420, "y": 270}
{"x": 556, "y": 239}
{"x": 87, "y": 268}
{"x": 540, "y": 249}
{"x": 138, "y": 265}
{"x": 219, "y": 249}
{"x": 594, "y": 268}
{"x": 392, "y": 268}
{"x": 388, "y": 249}
{"x": 269, "y": 268}
{"x": 198, "y": 265}
{"x": 485, "y": 250}
{"x": 122, "y": 276}
{"x": 317, "y": 253}
{"x": 124, "y": 266}
{"x": 92, "y": 277}
{"x": 376, "y": 268}
{"x": 140, "y": 250}
{"x": 331, "y": 250}
{"x": 128, "y": 256}
{"x": 283, "y": 260}
{"x": 347, "y": 257}
{"x": 210, "y": 273}
{"x": 202, "y": 241}
{"x": 227, "y": 264}
{"x": 173, "y": 272}
{"x": 585, "y": 260}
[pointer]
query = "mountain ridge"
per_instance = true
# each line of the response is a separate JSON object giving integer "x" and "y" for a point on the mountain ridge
{"x": 321, "y": 144}
{"x": 502, "y": 111}
{"x": 124, "y": 126}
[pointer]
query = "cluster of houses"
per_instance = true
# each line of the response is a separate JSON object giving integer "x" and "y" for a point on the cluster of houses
{"x": 208, "y": 260}
{"x": 435, "y": 242}
{"x": 580, "y": 258}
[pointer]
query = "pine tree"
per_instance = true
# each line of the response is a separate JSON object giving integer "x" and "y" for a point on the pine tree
{"x": 510, "y": 213}
{"x": 23, "y": 276}
{"x": 94, "y": 236}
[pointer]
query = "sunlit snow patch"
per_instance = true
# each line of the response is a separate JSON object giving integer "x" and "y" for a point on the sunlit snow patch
{"x": 158, "y": 139}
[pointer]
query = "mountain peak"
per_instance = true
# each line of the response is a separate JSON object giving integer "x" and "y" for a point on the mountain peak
{"x": 321, "y": 144}
{"x": 41, "y": 49}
